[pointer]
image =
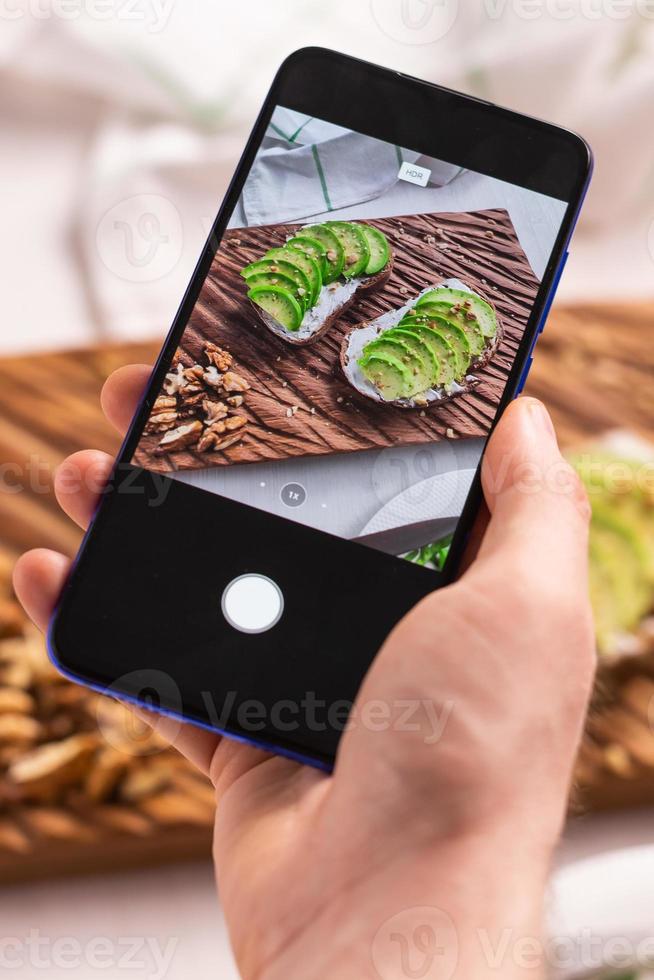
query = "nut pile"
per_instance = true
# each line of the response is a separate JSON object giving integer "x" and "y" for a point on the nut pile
{"x": 76, "y": 766}
{"x": 199, "y": 406}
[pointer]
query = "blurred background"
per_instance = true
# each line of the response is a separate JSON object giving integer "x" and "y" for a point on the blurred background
{"x": 121, "y": 122}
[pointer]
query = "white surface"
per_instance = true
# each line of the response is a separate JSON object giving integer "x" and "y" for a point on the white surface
{"x": 167, "y": 919}
{"x": 443, "y": 495}
{"x": 252, "y": 603}
{"x": 602, "y": 907}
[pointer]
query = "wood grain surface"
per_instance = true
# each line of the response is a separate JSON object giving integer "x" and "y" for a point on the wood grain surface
{"x": 50, "y": 406}
{"x": 481, "y": 248}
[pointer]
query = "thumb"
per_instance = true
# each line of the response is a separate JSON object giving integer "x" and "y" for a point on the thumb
{"x": 539, "y": 508}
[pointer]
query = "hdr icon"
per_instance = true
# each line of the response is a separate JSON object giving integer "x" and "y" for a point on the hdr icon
{"x": 414, "y": 174}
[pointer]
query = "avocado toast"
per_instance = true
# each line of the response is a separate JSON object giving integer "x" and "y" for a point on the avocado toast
{"x": 300, "y": 289}
{"x": 424, "y": 353}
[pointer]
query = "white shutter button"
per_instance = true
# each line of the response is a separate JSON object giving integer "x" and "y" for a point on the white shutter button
{"x": 252, "y": 603}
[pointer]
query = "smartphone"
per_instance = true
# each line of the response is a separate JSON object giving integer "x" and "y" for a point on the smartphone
{"x": 304, "y": 465}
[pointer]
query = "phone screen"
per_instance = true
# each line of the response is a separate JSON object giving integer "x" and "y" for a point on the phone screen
{"x": 348, "y": 351}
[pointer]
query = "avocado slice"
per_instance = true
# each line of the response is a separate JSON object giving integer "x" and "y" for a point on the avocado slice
{"x": 378, "y": 247}
{"x": 312, "y": 247}
{"x": 389, "y": 376}
{"x": 620, "y": 593}
{"x": 424, "y": 351}
{"x": 416, "y": 362}
{"x": 355, "y": 247}
{"x": 304, "y": 263}
{"x": 468, "y": 303}
{"x": 443, "y": 350}
{"x": 279, "y": 304}
{"x": 466, "y": 320}
{"x": 451, "y": 332}
{"x": 276, "y": 279}
{"x": 334, "y": 255}
{"x": 303, "y": 291}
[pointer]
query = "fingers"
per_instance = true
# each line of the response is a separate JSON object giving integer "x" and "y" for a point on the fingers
{"x": 196, "y": 744}
{"x": 79, "y": 481}
{"x": 122, "y": 393}
{"x": 39, "y": 577}
{"x": 539, "y": 510}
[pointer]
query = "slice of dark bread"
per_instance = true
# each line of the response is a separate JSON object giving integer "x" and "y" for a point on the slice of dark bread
{"x": 320, "y": 317}
{"x": 363, "y": 333}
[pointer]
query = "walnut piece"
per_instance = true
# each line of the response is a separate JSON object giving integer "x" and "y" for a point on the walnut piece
{"x": 235, "y": 401}
{"x": 180, "y": 438}
{"x": 161, "y": 421}
{"x": 194, "y": 373}
{"x": 175, "y": 381}
{"x": 212, "y": 377}
{"x": 215, "y": 441}
{"x": 213, "y": 410}
{"x": 235, "y": 422}
{"x": 211, "y": 436}
{"x": 220, "y": 358}
{"x": 163, "y": 404}
{"x": 234, "y": 382}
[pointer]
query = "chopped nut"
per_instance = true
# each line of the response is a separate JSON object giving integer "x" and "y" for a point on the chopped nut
{"x": 194, "y": 374}
{"x": 212, "y": 377}
{"x": 144, "y": 782}
{"x": 235, "y": 422}
{"x": 180, "y": 438}
{"x": 234, "y": 382}
{"x": 163, "y": 403}
{"x": 619, "y": 761}
{"x": 19, "y": 729}
{"x": 12, "y": 838}
{"x": 15, "y": 701}
{"x": 49, "y": 767}
{"x": 211, "y": 436}
{"x": 175, "y": 381}
{"x": 489, "y": 234}
{"x": 220, "y": 358}
{"x": 174, "y": 808}
{"x": 450, "y": 433}
{"x": 11, "y": 619}
{"x": 214, "y": 410}
{"x": 235, "y": 401}
{"x": 161, "y": 422}
{"x": 57, "y": 823}
{"x": 228, "y": 441}
{"x": 122, "y": 819}
{"x": 107, "y": 769}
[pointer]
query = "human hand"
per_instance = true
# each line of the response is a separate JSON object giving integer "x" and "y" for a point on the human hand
{"x": 457, "y": 811}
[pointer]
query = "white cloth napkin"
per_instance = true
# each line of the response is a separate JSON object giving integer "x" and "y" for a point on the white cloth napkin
{"x": 315, "y": 168}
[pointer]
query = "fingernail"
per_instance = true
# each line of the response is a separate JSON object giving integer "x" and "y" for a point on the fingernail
{"x": 541, "y": 417}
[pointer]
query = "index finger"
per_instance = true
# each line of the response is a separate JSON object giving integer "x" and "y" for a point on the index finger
{"x": 122, "y": 393}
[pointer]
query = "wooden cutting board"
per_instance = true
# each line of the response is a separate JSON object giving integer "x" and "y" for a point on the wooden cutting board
{"x": 50, "y": 406}
{"x": 327, "y": 415}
